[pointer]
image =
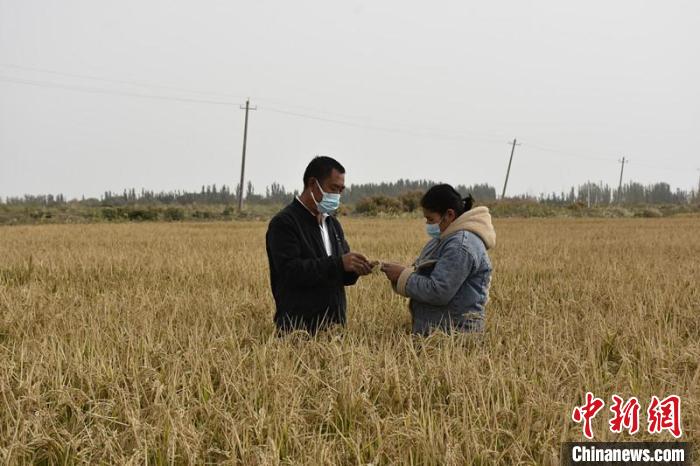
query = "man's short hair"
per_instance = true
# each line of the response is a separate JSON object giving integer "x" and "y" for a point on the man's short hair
{"x": 321, "y": 168}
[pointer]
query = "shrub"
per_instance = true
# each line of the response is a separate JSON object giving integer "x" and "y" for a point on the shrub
{"x": 203, "y": 214}
{"x": 142, "y": 214}
{"x": 108, "y": 213}
{"x": 649, "y": 212}
{"x": 410, "y": 201}
{"x": 575, "y": 206}
{"x": 343, "y": 210}
{"x": 174, "y": 214}
{"x": 619, "y": 212}
{"x": 378, "y": 204}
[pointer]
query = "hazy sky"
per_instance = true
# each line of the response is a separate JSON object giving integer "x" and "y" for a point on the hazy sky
{"x": 425, "y": 89}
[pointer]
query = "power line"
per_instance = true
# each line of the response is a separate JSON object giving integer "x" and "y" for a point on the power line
{"x": 666, "y": 168}
{"x": 379, "y": 128}
{"x": 170, "y": 88}
{"x": 113, "y": 92}
{"x": 95, "y": 90}
{"x": 605, "y": 159}
{"x": 119, "y": 81}
{"x": 567, "y": 153}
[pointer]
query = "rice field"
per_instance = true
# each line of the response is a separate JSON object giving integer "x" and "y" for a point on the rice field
{"x": 153, "y": 343}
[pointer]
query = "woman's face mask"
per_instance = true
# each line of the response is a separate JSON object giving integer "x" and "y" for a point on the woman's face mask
{"x": 329, "y": 202}
{"x": 433, "y": 229}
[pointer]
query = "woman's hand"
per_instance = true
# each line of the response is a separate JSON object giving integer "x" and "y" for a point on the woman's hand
{"x": 392, "y": 271}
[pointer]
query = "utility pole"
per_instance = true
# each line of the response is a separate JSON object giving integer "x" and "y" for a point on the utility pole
{"x": 245, "y": 140}
{"x": 589, "y": 194}
{"x": 512, "y": 151}
{"x": 619, "y": 189}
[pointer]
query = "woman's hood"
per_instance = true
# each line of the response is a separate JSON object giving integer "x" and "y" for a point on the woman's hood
{"x": 477, "y": 221}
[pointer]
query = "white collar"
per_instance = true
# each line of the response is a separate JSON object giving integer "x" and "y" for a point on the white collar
{"x": 309, "y": 210}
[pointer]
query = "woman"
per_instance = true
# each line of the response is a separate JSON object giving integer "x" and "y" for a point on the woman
{"x": 448, "y": 285}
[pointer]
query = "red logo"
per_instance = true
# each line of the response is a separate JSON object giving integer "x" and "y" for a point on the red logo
{"x": 665, "y": 415}
{"x": 662, "y": 415}
{"x": 625, "y": 416}
{"x": 587, "y": 412}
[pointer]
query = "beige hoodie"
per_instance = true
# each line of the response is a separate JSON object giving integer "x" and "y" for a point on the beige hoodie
{"x": 476, "y": 220}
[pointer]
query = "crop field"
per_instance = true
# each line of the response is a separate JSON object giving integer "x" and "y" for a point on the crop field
{"x": 153, "y": 343}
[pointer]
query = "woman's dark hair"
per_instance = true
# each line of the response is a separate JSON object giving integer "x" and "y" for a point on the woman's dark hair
{"x": 442, "y": 197}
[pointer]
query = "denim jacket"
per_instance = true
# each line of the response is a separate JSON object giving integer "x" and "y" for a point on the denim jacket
{"x": 448, "y": 285}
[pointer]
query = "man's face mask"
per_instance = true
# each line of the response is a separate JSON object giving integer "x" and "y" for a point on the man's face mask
{"x": 329, "y": 203}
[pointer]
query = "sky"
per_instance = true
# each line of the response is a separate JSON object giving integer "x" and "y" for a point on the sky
{"x": 103, "y": 95}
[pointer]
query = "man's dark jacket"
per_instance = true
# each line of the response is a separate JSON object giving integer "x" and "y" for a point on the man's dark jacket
{"x": 307, "y": 283}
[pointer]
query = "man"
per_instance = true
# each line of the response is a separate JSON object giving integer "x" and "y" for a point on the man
{"x": 310, "y": 261}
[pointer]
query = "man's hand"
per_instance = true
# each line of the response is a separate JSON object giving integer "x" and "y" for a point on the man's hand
{"x": 354, "y": 262}
{"x": 392, "y": 271}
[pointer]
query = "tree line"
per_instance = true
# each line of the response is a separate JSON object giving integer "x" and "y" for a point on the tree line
{"x": 589, "y": 193}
